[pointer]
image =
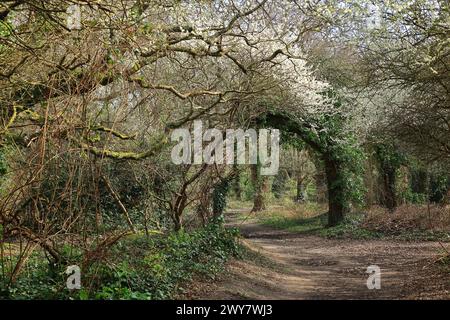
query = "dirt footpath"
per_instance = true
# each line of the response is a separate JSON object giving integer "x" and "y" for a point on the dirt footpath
{"x": 283, "y": 265}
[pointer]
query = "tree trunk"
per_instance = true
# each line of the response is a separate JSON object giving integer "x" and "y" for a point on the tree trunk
{"x": 389, "y": 198}
{"x": 258, "y": 203}
{"x": 336, "y": 207}
{"x": 177, "y": 223}
{"x": 237, "y": 187}
{"x": 260, "y": 186}
{"x": 300, "y": 197}
{"x": 178, "y": 208}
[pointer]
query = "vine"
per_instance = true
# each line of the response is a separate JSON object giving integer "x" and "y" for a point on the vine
{"x": 337, "y": 147}
{"x": 219, "y": 197}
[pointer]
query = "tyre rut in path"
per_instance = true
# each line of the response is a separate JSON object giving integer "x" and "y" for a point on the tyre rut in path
{"x": 295, "y": 266}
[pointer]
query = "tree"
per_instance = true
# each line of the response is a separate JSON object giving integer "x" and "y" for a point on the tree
{"x": 341, "y": 160}
{"x": 260, "y": 188}
{"x": 407, "y": 61}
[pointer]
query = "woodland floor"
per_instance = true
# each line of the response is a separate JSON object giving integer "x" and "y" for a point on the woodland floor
{"x": 284, "y": 265}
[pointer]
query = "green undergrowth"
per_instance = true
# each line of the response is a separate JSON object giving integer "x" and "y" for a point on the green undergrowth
{"x": 352, "y": 228}
{"x": 137, "y": 267}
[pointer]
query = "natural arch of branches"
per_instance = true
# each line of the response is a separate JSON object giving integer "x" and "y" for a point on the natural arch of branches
{"x": 335, "y": 166}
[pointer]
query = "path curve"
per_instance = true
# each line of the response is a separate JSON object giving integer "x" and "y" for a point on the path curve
{"x": 286, "y": 265}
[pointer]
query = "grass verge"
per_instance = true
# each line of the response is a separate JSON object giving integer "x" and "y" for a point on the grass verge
{"x": 137, "y": 267}
{"x": 353, "y": 227}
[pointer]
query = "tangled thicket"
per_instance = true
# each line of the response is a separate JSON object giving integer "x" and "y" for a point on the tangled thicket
{"x": 86, "y": 112}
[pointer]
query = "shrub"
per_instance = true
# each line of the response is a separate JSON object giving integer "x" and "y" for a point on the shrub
{"x": 138, "y": 267}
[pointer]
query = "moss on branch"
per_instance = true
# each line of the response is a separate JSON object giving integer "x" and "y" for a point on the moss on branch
{"x": 114, "y": 133}
{"x": 156, "y": 146}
